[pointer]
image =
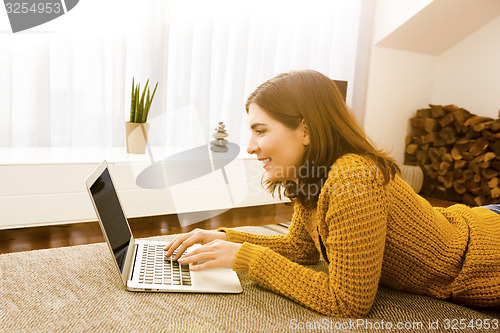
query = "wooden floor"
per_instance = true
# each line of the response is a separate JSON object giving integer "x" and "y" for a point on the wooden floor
{"x": 35, "y": 238}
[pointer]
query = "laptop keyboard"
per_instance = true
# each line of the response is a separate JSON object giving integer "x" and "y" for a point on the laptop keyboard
{"x": 158, "y": 269}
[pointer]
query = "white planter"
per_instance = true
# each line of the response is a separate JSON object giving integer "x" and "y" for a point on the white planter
{"x": 137, "y": 137}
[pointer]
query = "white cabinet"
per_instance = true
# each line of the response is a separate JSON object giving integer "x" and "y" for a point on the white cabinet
{"x": 42, "y": 186}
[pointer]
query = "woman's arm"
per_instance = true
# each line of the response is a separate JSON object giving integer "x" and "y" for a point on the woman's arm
{"x": 297, "y": 245}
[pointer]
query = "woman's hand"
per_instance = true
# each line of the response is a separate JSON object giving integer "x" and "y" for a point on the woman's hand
{"x": 182, "y": 242}
{"x": 217, "y": 253}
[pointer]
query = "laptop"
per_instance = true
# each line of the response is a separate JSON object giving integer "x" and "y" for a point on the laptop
{"x": 142, "y": 264}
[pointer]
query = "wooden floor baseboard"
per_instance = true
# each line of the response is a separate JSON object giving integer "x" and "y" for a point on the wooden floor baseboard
{"x": 35, "y": 238}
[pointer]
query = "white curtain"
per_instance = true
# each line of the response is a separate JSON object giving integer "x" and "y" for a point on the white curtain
{"x": 68, "y": 82}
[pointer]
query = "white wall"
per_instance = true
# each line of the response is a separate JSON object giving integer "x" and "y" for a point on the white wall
{"x": 468, "y": 74}
{"x": 400, "y": 82}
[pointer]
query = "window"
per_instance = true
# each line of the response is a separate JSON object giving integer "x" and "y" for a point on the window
{"x": 67, "y": 83}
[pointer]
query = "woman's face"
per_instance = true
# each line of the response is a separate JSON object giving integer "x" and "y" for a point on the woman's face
{"x": 278, "y": 147}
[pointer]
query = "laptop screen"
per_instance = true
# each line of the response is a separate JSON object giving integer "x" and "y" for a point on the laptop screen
{"x": 112, "y": 217}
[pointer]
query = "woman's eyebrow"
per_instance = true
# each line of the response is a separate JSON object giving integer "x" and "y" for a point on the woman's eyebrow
{"x": 256, "y": 124}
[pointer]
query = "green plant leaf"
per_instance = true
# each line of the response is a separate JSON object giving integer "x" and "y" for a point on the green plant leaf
{"x": 144, "y": 92}
{"x": 132, "y": 102}
{"x": 154, "y": 92}
{"x": 136, "y": 104}
{"x": 138, "y": 116}
{"x": 140, "y": 103}
{"x": 145, "y": 112}
{"x": 149, "y": 101}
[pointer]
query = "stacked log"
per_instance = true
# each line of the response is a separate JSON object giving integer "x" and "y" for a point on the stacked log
{"x": 459, "y": 153}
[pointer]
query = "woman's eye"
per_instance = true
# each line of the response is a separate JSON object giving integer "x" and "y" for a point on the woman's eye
{"x": 259, "y": 132}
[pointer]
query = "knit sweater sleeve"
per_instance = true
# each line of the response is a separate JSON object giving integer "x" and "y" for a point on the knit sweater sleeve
{"x": 296, "y": 245}
{"x": 356, "y": 228}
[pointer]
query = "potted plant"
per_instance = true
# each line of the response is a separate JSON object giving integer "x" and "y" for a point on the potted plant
{"x": 137, "y": 128}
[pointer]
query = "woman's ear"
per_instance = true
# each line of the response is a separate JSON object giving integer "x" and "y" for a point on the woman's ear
{"x": 306, "y": 140}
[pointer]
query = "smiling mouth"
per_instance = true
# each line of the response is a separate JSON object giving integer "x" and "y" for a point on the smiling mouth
{"x": 266, "y": 162}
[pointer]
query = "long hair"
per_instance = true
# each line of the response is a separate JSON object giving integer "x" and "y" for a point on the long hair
{"x": 333, "y": 130}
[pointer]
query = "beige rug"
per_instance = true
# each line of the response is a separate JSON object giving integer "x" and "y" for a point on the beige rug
{"x": 76, "y": 289}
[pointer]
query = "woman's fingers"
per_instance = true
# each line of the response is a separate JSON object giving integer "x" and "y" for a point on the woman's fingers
{"x": 178, "y": 241}
{"x": 192, "y": 258}
{"x": 173, "y": 245}
{"x": 217, "y": 253}
{"x": 187, "y": 243}
{"x": 182, "y": 242}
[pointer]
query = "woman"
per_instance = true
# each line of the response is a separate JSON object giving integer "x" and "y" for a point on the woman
{"x": 352, "y": 209}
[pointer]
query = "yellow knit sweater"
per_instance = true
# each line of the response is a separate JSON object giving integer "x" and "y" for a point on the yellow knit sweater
{"x": 368, "y": 234}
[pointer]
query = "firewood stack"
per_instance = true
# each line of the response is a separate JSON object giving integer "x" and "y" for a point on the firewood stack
{"x": 458, "y": 152}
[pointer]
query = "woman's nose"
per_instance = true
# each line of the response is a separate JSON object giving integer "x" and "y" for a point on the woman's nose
{"x": 252, "y": 147}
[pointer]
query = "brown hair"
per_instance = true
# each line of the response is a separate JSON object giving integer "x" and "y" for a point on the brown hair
{"x": 333, "y": 130}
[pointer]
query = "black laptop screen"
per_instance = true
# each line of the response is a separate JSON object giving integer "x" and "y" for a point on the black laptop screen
{"x": 112, "y": 217}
